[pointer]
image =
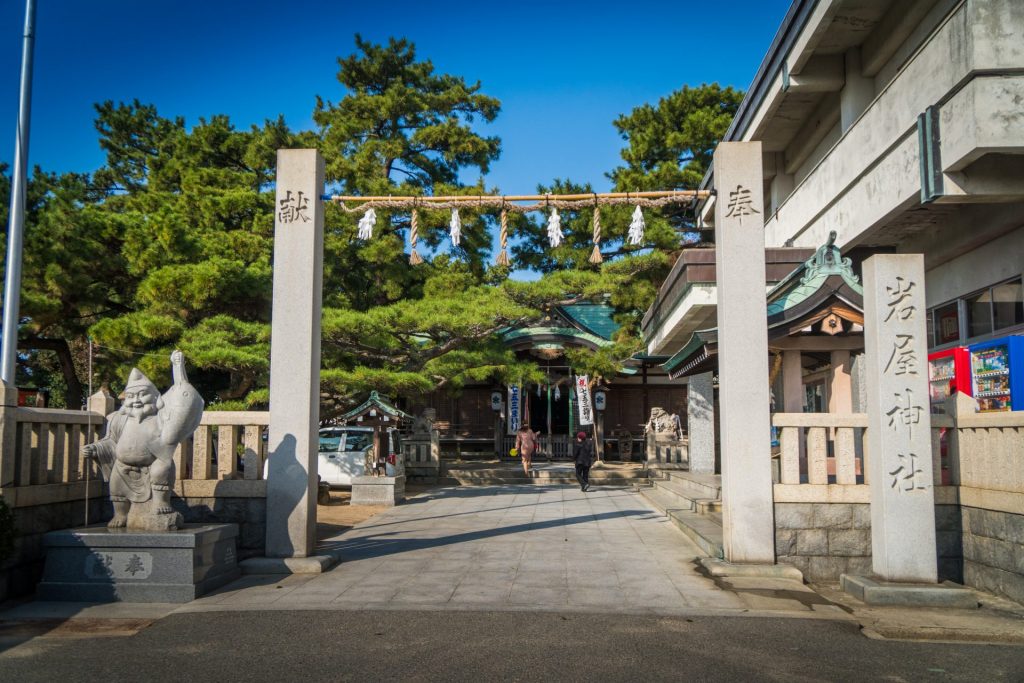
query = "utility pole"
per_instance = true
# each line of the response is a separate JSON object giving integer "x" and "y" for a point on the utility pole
{"x": 16, "y": 228}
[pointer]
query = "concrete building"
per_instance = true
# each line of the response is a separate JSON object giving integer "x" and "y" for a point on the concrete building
{"x": 897, "y": 125}
{"x": 883, "y": 127}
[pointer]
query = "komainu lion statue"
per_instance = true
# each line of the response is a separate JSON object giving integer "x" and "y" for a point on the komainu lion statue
{"x": 664, "y": 424}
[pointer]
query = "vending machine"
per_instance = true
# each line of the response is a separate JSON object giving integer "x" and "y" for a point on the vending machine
{"x": 949, "y": 371}
{"x": 997, "y": 370}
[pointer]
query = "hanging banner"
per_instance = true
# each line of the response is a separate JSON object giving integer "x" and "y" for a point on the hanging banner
{"x": 513, "y": 409}
{"x": 583, "y": 398}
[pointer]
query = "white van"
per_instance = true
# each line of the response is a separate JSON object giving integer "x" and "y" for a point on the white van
{"x": 342, "y": 453}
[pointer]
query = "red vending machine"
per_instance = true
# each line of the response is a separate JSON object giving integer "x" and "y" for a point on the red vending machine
{"x": 948, "y": 371}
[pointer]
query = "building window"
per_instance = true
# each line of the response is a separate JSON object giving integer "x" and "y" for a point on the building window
{"x": 994, "y": 308}
{"x": 1008, "y": 304}
{"x": 946, "y": 323}
{"x": 979, "y": 313}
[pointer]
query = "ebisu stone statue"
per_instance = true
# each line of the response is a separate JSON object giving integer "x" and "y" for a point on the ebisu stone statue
{"x": 136, "y": 455}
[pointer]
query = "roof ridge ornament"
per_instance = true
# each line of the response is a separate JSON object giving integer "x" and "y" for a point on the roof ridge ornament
{"x": 828, "y": 260}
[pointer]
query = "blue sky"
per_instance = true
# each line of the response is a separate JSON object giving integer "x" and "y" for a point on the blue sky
{"x": 563, "y": 71}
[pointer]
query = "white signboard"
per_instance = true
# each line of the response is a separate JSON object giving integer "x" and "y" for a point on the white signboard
{"x": 583, "y": 399}
{"x": 514, "y": 410}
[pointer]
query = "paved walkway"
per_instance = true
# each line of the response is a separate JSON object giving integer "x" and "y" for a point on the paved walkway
{"x": 519, "y": 547}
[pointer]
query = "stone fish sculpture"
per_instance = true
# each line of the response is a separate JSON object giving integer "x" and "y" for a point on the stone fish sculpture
{"x": 135, "y": 456}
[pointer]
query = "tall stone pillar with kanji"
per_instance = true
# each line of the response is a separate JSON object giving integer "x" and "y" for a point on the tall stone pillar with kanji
{"x": 748, "y": 520}
{"x": 295, "y": 354}
{"x": 899, "y": 461}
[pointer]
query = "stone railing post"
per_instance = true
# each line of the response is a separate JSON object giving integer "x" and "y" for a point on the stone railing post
{"x": 957, "y": 406}
{"x": 102, "y": 402}
{"x": 8, "y": 432}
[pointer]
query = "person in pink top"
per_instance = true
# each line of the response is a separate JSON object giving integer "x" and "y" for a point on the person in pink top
{"x": 526, "y": 446}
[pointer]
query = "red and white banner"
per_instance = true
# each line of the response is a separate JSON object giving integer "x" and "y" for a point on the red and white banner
{"x": 583, "y": 400}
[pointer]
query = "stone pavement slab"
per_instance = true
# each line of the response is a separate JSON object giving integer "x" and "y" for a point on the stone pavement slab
{"x": 515, "y": 548}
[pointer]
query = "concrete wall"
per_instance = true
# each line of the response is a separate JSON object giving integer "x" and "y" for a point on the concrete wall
{"x": 995, "y": 261}
{"x": 824, "y": 540}
{"x": 20, "y": 572}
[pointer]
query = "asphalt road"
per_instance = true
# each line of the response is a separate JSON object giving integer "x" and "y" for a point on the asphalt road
{"x": 481, "y": 646}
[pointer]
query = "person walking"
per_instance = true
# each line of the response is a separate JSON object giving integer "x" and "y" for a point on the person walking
{"x": 526, "y": 446}
{"x": 583, "y": 454}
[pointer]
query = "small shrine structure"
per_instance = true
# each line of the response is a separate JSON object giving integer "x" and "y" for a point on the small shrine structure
{"x": 375, "y": 486}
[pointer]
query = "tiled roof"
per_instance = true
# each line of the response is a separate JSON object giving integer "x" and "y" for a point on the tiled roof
{"x": 594, "y": 318}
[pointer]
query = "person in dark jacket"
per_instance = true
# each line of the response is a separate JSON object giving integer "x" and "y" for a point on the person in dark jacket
{"x": 583, "y": 454}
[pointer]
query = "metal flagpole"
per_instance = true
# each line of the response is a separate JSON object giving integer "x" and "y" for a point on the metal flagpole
{"x": 16, "y": 229}
{"x": 89, "y": 436}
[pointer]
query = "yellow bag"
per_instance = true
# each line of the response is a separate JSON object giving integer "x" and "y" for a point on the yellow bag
{"x": 513, "y": 452}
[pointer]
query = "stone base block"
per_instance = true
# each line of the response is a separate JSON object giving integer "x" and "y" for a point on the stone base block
{"x": 315, "y": 564}
{"x": 674, "y": 466}
{"x": 96, "y": 564}
{"x": 878, "y": 592}
{"x": 378, "y": 490}
{"x": 717, "y": 567}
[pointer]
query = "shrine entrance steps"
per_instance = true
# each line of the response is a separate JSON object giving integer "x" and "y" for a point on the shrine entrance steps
{"x": 504, "y": 473}
{"x": 693, "y": 502}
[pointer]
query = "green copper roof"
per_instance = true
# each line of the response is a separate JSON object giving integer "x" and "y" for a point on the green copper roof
{"x": 594, "y": 318}
{"x": 797, "y": 287}
{"x": 697, "y": 342}
{"x": 381, "y": 404}
{"x": 571, "y": 332}
{"x": 826, "y": 262}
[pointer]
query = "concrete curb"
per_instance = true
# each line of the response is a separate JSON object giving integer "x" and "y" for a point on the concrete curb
{"x": 717, "y": 567}
{"x": 315, "y": 564}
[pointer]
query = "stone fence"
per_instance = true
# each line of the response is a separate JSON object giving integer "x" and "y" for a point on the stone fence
{"x": 822, "y": 496}
{"x": 49, "y": 484}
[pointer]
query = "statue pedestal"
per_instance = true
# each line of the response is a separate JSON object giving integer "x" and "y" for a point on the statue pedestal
{"x": 378, "y": 490}
{"x": 666, "y": 452}
{"x": 96, "y": 564}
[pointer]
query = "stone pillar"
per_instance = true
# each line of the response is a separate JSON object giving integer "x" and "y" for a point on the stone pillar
{"x": 8, "y": 432}
{"x": 899, "y": 424}
{"x": 840, "y": 394}
{"x": 793, "y": 394}
{"x": 858, "y": 384}
{"x": 295, "y": 354}
{"x": 700, "y": 423}
{"x": 748, "y": 514}
{"x": 792, "y": 382}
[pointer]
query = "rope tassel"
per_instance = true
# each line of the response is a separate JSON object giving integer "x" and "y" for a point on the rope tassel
{"x": 554, "y": 229}
{"x": 502, "y": 259}
{"x": 595, "y": 256}
{"x": 366, "y": 224}
{"x": 414, "y": 257}
{"x": 636, "y": 227}
{"x": 455, "y": 228}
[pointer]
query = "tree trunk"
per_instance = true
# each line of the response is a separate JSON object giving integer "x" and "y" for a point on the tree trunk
{"x": 75, "y": 399}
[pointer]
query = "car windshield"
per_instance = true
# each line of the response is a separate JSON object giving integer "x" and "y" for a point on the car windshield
{"x": 330, "y": 443}
{"x": 357, "y": 441}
